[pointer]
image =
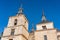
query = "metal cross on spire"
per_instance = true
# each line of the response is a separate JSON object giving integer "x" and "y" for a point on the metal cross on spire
{"x": 43, "y": 16}
{"x": 20, "y": 10}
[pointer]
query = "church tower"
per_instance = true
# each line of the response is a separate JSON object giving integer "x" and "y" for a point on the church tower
{"x": 45, "y": 30}
{"x": 17, "y": 28}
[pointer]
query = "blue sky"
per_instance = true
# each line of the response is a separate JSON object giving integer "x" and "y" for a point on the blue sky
{"x": 32, "y": 10}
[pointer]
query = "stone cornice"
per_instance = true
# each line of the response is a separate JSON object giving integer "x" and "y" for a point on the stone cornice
{"x": 45, "y": 30}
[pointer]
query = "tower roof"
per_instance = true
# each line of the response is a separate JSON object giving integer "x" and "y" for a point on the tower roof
{"x": 43, "y": 16}
{"x": 44, "y": 20}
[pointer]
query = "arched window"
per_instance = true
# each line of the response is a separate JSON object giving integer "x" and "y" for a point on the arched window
{"x": 15, "y": 22}
{"x": 44, "y": 27}
{"x": 10, "y": 39}
{"x": 12, "y": 31}
{"x": 58, "y": 37}
{"x": 45, "y": 37}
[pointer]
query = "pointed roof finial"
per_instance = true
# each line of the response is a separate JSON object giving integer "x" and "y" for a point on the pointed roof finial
{"x": 42, "y": 12}
{"x": 20, "y": 9}
{"x": 43, "y": 16}
{"x": 33, "y": 27}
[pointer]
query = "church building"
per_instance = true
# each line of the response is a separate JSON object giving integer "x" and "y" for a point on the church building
{"x": 17, "y": 29}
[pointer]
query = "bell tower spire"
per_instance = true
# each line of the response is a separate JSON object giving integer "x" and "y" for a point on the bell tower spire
{"x": 20, "y": 10}
{"x": 43, "y": 16}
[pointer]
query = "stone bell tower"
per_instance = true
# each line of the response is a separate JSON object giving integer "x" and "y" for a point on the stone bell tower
{"x": 45, "y": 30}
{"x": 17, "y": 28}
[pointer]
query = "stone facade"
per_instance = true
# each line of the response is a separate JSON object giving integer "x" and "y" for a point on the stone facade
{"x": 17, "y": 29}
{"x": 21, "y": 29}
